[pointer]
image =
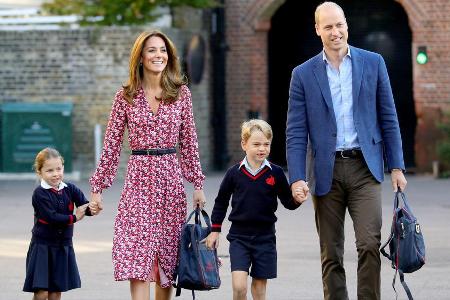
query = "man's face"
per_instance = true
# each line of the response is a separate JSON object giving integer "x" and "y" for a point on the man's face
{"x": 332, "y": 29}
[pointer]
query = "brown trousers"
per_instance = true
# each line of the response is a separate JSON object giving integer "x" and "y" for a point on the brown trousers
{"x": 353, "y": 188}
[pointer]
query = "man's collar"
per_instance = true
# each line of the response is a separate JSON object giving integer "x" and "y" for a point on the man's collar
{"x": 47, "y": 186}
{"x": 325, "y": 58}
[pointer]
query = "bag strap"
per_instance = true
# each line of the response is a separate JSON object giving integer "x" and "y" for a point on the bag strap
{"x": 400, "y": 195}
{"x": 385, "y": 245}
{"x": 197, "y": 220}
{"x": 402, "y": 281}
{"x": 405, "y": 286}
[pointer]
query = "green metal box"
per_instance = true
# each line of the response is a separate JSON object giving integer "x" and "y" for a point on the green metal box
{"x": 27, "y": 128}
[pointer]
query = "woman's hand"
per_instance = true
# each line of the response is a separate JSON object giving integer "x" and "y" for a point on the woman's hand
{"x": 95, "y": 205}
{"x": 199, "y": 199}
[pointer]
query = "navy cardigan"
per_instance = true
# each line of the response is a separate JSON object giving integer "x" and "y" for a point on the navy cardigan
{"x": 53, "y": 211}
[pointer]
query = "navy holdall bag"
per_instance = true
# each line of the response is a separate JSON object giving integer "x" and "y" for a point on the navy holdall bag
{"x": 406, "y": 243}
{"x": 198, "y": 266}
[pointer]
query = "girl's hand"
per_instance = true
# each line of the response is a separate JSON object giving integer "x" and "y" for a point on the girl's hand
{"x": 212, "y": 240}
{"x": 81, "y": 210}
{"x": 199, "y": 199}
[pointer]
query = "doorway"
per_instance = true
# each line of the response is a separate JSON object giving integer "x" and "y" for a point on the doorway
{"x": 375, "y": 25}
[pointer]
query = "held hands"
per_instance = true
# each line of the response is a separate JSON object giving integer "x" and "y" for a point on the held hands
{"x": 300, "y": 191}
{"x": 198, "y": 199}
{"x": 212, "y": 240}
{"x": 81, "y": 211}
{"x": 398, "y": 180}
{"x": 95, "y": 205}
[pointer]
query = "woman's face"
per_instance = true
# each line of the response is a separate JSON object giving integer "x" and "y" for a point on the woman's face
{"x": 154, "y": 55}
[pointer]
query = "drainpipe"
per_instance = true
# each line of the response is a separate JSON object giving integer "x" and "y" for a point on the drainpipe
{"x": 219, "y": 48}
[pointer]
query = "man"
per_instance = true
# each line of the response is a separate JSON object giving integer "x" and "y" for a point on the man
{"x": 342, "y": 111}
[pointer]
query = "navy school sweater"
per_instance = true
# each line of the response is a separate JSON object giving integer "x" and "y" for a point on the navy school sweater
{"x": 253, "y": 199}
{"x": 53, "y": 212}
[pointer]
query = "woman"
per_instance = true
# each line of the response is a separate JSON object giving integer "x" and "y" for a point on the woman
{"x": 155, "y": 106}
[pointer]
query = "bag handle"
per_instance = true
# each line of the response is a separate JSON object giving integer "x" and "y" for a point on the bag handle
{"x": 399, "y": 195}
{"x": 197, "y": 220}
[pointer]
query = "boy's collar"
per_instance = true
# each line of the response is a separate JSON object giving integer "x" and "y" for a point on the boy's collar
{"x": 47, "y": 186}
{"x": 247, "y": 165}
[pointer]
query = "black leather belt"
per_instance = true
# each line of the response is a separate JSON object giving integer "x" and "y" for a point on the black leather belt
{"x": 352, "y": 153}
{"x": 154, "y": 151}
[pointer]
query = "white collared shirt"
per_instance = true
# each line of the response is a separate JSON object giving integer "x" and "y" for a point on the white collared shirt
{"x": 47, "y": 186}
{"x": 249, "y": 169}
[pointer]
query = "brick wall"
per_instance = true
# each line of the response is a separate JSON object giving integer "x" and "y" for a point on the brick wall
{"x": 84, "y": 66}
{"x": 430, "y": 25}
{"x": 248, "y": 22}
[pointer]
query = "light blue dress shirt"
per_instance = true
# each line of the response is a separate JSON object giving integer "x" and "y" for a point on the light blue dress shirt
{"x": 249, "y": 169}
{"x": 340, "y": 81}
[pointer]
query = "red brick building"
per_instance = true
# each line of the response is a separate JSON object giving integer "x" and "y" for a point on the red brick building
{"x": 263, "y": 37}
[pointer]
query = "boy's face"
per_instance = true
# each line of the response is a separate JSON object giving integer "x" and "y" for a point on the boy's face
{"x": 257, "y": 148}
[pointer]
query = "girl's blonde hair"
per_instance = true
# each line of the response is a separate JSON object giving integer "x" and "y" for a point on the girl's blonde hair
{"x": 43, "y": 156}
{"x": 171, "y": 79}
{"x": 250, "y": 126}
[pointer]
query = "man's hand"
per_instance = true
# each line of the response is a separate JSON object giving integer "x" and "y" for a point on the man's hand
{"x": 398, "y": 180}
{"x": 300, "y": 191}
{"x": 96, "y": 205}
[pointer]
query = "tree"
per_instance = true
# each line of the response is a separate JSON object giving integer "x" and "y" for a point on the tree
{"x": 117, "y": 12}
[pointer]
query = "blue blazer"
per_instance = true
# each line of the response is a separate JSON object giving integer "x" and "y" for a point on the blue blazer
{"x": 311, "y": 124}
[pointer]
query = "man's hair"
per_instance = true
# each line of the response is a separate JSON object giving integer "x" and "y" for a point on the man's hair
{"x": 326, "y": 4}
{"x": 250, "y": 126}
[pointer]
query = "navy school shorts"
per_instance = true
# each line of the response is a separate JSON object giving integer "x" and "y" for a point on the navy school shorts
{"x": 256, "y": 251}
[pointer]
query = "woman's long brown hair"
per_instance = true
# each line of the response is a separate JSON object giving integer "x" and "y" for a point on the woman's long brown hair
{"x": 171, "y": 78}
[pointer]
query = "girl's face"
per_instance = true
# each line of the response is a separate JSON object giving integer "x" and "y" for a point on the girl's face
{"x": 52, "y": 172}
{"x": 154, "y": 55}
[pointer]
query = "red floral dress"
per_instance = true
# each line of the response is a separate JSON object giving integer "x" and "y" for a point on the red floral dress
{"x": 152, "y": 207}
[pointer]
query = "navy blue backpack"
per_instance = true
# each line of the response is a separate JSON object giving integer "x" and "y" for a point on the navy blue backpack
{"x": 198, "y": 266}
{"x": 406, "y": 244}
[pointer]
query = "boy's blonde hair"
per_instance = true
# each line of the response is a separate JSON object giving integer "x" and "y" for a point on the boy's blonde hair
{"x": 43, "y": 155}
{"x": 250, "y": 126}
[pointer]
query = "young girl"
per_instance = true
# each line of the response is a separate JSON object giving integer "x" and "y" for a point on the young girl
{"x": 51, "y": 267}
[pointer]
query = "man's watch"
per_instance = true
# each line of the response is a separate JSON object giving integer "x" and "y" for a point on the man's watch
{"x": 396, "y": 169}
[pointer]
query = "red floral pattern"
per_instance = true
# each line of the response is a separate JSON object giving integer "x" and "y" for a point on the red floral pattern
{"x": 152, "y": 207}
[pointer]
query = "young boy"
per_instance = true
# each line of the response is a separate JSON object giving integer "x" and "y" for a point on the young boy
{"x": 255, "y": 185}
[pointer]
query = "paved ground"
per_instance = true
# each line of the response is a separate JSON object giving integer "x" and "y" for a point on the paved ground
{"x": 298, "y": 263}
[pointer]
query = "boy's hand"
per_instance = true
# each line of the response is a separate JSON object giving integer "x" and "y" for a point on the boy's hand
{"x": 300, "y": 191}
{"x": 80, "y": 212}
{"x": 212, "y": 240}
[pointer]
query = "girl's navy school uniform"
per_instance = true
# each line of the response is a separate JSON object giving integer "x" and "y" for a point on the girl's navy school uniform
{"x": 253, "y": 205}
{"x": 51, "y": 263}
